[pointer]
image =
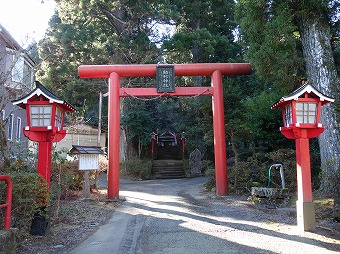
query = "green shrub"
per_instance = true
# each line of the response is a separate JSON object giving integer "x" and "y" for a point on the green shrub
{"x": 186, "y": 167}
{"x": 30, "y": 190}
{"x": 241, "y": 177}
{"x": 29, "y": 193}
{"x": 65, "y": 176}
{"x": 211, "y": 184}
{"x": 207, "y": 165}
{"x": 287, "y": 158}
{"x": 136, "y": 169}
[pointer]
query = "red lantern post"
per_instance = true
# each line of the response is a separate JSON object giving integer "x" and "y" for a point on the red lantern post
{"x": 45, "y": 120}
{"x": 301, "y": 111}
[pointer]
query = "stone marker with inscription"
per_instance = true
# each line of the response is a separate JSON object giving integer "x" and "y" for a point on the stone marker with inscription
{"x": 195, "y": 163}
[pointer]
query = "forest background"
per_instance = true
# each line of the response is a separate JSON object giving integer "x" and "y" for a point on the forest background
{"x": 278, "y": 38}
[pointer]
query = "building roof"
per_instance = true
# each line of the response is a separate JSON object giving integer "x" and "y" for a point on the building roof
{"x": 81, "y": 128}
{"x": 8, "y": 38}
{"x": 167, "y": 136}
{"x": 311, "y": 90}
{"x": 13, "y": 44}
{"x": 77, "y": 149}
{"x": 41, "y": 90}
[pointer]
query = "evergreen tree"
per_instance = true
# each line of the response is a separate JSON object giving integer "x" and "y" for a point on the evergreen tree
{"x": 204, "y": 32}
{"x": 290, "y": 41}
{"x": 95, "y": 32}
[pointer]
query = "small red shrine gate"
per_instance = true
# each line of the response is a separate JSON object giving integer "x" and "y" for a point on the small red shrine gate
{"x": 115, "y": 72}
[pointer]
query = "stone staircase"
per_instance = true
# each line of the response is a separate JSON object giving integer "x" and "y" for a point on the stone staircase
{"x": 168, "y": 169}
{"x": 167, "y": 153}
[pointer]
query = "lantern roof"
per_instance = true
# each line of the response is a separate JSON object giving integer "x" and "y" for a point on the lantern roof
{"x": 298, "y": 93}
{"x": 77, "y": 149}
{"x": 41, "y": 90}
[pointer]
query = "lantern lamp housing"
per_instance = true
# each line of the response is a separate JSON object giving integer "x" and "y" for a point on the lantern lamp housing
{"x": 301, "y": 110}
{"x": 45, "y": 114}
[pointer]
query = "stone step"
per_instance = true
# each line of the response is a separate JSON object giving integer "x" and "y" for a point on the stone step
{"x": 167, "y": 153}
{"x": 176, "y": 176}
{"x": 168, "y": 169}
{"x": 167, "y": 163}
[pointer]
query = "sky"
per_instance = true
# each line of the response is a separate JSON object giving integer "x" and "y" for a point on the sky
{"x": 26, "y": 20}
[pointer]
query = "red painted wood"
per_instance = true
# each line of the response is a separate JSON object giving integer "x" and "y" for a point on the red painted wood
{"x": 183, "y": 146}
{"x": 45, "y": 160}
{"x": 114, "y": 137}
{"x": 293, "y": 132}
{"x": 198, "y": 69}
{"x": 293, "y": 111}
{"x": 219, "y": 135}
{"x": 40, "y": 134}
{"x": 304, "y": 179}
{"x": 179, "y": 91}
{"x": 8, "y": 204}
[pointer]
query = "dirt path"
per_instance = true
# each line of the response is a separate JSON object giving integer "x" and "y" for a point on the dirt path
{"x": 178, "y": 216}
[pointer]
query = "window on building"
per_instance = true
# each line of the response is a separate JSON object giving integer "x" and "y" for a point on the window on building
{"x": 10, "y": 127}
{"x": 18, "y": 133}
{"x": 18, "y": 69}
{"x": 27, "y": 75}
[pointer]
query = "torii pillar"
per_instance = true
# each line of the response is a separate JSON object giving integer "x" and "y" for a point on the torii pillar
{"x": 115, "y": 72}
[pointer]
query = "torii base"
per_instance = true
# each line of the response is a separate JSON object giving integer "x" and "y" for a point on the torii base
{"x": 305, "y": 213}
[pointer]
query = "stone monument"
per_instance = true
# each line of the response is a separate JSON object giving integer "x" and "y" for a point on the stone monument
{"x": 195, "y": 163}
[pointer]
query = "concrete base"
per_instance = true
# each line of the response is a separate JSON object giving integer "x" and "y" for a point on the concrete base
{"x": 270, "y": 197}
{"x": 270, "y": 193}
{"x": 305, "y": 213}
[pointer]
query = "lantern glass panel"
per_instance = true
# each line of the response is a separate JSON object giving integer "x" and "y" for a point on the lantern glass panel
{"x": 288, "y": 115}
{"x": 41, "y": 115}
{"x": 306, "y": 112}
{"x": 58, "y": 117}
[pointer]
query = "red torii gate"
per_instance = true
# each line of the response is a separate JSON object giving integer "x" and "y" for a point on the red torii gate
{"x": 115, "y": 72}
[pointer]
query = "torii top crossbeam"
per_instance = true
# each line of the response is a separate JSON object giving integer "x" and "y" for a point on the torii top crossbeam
{"x": 149, "y": 70}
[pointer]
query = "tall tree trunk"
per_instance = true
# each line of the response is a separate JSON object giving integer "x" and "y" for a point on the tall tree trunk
{"x": 123, "y": 141}
{"x": 321, "y": 73}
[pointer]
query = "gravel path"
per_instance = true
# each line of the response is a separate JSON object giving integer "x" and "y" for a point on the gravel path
{"x": 178, "y": 216}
